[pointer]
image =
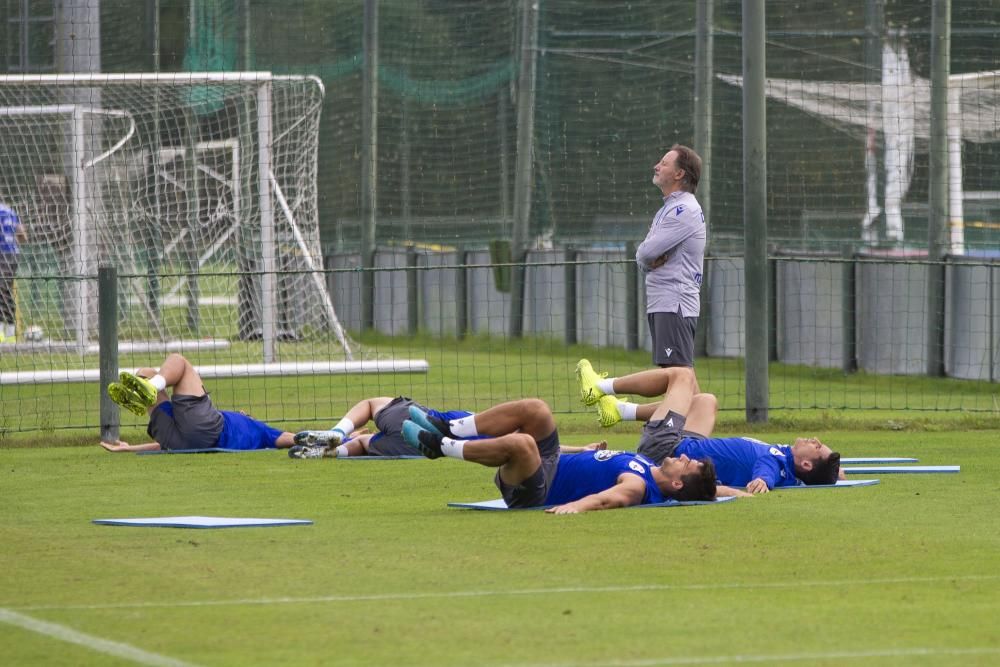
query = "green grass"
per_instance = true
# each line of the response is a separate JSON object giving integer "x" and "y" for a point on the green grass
{"x": 903, "y": 573}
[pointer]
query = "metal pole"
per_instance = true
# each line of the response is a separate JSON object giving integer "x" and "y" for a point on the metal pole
{"x": 570, "y": 295}
{"x": 268, "y": 281}
{"x": 412, "y": 292}
{"x": 755, "y": 212}
{"x": 937, "y": 196}
{"x": 703, "y": 79}
{"x": 631, "y": 299}
{"x": 523, "y": 172}
{"x": 369, "y": 162}
{"x": 107, "y": 323}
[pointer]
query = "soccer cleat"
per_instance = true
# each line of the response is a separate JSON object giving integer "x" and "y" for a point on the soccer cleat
{"x": 607, "y": 411}
{"x": 588, "y": 378}
{"x": 325, "y": 438}
{"x": 127, "y": 399}
{"x": 427, "y": 443}
{"x": 141, "y": 387}
{"x": 310, "y": 452}
{"x": 425, "y": 421}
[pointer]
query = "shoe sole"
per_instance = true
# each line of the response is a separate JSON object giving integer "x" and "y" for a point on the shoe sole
{"x": 141, "y": 388}
{"x": 411, "y": 435}
{"x": 420, "y": 417}
{"x": 325, "y": 438}
{"x": 591, "y": 394}
{"x": 127, "y": 399}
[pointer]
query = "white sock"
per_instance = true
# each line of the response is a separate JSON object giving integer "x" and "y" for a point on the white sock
{"x": 453, "y": 448}
{"x": 341, "y": 451}
{"x": 159, "y": 382}
{"x": 607, "y": 385}
{"x": 464, "y": 427}
{"x": 627, "y": 410}
{"x": 345, "y": 426}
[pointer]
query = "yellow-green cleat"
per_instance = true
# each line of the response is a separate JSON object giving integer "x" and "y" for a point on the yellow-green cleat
{"x": 607, "y": 411}
{"x": 139, "y": 386}
{"x": 588, "y": 378}
{"x": 127, "y": 399}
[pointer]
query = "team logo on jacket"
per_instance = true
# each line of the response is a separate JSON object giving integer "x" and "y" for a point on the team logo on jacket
{"x": 636, "y": 466}
{"x": 776, "y": 452}
{"x": 605, "y": 454}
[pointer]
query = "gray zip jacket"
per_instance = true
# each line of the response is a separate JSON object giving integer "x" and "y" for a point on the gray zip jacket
{"x": 678, "y": 231}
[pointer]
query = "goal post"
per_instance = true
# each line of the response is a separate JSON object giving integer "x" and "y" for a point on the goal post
{"x": 168, "y": 177}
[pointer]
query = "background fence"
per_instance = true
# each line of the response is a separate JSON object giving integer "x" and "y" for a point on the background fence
{"x": 455, "y": 135}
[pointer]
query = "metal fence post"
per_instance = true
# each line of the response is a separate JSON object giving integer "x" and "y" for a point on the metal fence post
{"x": 107, "y": 322}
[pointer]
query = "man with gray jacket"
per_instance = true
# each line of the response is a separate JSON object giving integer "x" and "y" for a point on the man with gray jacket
{"x": 672, "y": 257}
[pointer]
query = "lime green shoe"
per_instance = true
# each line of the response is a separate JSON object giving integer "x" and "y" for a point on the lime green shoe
{"x": 590, "y": 393}
{"x": 127, "y": 399}
{"x": 141, "y": 387}
{"x": 607, "y": 411}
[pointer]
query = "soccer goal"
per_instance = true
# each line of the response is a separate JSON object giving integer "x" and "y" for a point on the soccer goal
{"x": 200, "y": 188}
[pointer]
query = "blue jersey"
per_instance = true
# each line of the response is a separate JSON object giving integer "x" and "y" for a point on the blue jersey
{"x": 242, "y": 432}
{"x": 580, "y": 475}
{"x": 8, "y": 230}
{"x": 739, "y": 461}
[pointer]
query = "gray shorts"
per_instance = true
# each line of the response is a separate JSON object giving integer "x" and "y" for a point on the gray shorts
{"x": 532, "y": 491}
{"x": 389, "y": 422}
{"x": 673, "y": 338}
{"x": 187, "y": 422}
{"x": 660, "y": 438}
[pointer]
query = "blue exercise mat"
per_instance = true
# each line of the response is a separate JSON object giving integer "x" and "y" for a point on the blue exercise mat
{"x": 201, "y": 522}
{"x": 380, "y": 458}
{"x": 841, "y": 483}
{"x": 206, "y": 450}
{"x": 879, "y": 470}
{"x": 499, "y": 505}
{"x": 876, "y": 459}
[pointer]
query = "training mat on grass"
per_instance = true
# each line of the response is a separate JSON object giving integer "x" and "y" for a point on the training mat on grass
{"x": 201, "y": 522}
{"x": 206, "y": 450}
{"x": 878, "y": 459}
{"x": 501, "y": 506}
{"x": 879, "y": 470}
{"x": 380, "y": 458}
{"x": 840, "y": 484}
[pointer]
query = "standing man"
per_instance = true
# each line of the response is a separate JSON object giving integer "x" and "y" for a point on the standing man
{"x": 672, "y": 257}
{"x": 11, "y": 235}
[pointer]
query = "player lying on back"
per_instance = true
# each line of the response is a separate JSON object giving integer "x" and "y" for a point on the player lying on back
{"x": 522, "y": 442}
{"x": 349, "y": 437}
{"x": 683, "y": 421}
{"x": 186, "y": 419}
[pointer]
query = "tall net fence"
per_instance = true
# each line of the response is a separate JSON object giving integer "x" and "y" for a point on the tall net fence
{"x": 453, "y": 115}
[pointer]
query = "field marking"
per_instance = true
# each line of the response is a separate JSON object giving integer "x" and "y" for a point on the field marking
{"x": 98, "y": 644}
{"x": 639, "y": 588}
{"x": 786, "y": 657}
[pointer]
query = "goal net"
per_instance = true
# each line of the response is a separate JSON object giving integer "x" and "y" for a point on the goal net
{"x": 199, "y": 188}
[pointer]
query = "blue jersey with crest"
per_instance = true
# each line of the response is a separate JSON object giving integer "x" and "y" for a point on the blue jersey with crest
{"x": 586, "y": 473}
{"x": 739, "y": 461}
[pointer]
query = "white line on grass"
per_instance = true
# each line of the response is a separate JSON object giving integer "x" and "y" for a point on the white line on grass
{"x": 786, "y": 657}
{"x": 640, "y": 588}
{"x": 65, "y": 634}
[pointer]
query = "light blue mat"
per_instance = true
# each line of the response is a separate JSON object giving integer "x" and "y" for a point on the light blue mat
{"x": 886, "y": 470}
{"x": 876, "y": 459}
{"x": 201, "y": 522}
{"x": 841, "y": 483}
{"x": 381, "y": 458}
{"x": 207, "y": 450}
{"x": 499, "y": 505}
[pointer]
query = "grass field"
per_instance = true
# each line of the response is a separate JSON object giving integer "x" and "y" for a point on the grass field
{"x": 903, "y": 573}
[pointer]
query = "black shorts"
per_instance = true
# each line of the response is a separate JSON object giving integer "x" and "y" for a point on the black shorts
{"x": 532, "y": 491}
{"x": 673, "y": 338}
{"x": 660, "y": 438}
{"x": 389, "y": 422}
{"x": 195, "y": 423}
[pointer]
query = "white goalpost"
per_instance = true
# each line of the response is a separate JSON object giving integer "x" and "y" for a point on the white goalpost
{"x": 180, "y": 181}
